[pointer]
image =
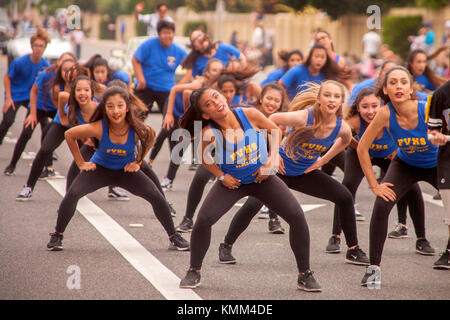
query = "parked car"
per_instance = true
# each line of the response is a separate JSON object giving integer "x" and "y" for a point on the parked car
{"x": 121, "y": 59}
{"x": 6, "y": 29}
{"x": 20, "y": 45}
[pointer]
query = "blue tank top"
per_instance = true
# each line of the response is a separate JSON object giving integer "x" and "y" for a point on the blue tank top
{"x": 308, "y": 151}
{"x": 243, "y": 158}
{"x": 114, "y": 156}
{"x": 380, "y": 148}
{"x": 66, "y": 108}
{"x": 414, "y": 148}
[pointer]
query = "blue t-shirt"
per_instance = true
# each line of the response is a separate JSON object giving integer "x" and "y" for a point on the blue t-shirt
{"x": 423, "y": 80}
{"x": 298, "y": 76}
{"x": 274, "y": 76}
{"x": 224, "y": 53}
{"x": 358, "y": 87}
{"x": 414, "y": 148}
{"x": 159, "y": 64}
{"x": 114, "y": 156}
{"x": 44, "y": 99}
{"x": 308, "y": 152}
{"x": 241, "y": 159}
{"x": 120, "y": 75}
{"x": 22, "y": 73}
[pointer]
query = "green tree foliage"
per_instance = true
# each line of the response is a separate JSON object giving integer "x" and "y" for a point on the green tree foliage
{"x": 230, "y": 5}
{"x": 432, "y": 4}
{"x": 396, "y": 31}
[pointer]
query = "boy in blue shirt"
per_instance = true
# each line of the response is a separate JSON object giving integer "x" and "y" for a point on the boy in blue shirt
{"x": 20, "y": 78}
{"x": 154, "y": 64}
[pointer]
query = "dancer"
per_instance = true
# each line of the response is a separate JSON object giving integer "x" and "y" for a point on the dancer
{"x": 415, "y": 161}
{"x": 240, "y": 173}
{"x": 114, "y": 163}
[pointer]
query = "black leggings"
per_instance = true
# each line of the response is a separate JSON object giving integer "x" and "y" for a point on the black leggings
{"x": 25, "y": 136}
{"x": 317, "y": 184}
{"x": 353, "y": 176}
{"x": 337, "y": 161}
{"x": 402, "y": 176}
{"x": 274, "y": 194}
{"x": 135, "y": 182}
{"x": 52, "y": 140}
{"x": 163, "y": 135}
{"x": 9, "y": 117}
{"x": 87, "y": 152}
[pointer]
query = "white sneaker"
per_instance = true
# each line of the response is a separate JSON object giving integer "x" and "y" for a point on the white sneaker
{"x": 9, "y": 140}
{"x": 264, "y": 213}
{"x": 358, "y": 215}
{"x": 166, "y": 184}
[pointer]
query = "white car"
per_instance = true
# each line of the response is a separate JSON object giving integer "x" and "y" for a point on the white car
{"x": 20, "y": 45}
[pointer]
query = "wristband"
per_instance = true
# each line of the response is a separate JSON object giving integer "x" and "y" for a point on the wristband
{"x": 222, "y": 177}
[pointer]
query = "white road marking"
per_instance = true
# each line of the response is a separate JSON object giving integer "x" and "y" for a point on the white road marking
{"x": 163, "y": 279}
{"x": 305, "y": 207}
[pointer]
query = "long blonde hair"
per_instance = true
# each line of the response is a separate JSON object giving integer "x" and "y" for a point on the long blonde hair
{"x": 304, "y": 99}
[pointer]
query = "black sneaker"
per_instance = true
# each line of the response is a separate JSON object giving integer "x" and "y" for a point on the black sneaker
{"x": 177, "y": 242}
{"x": 191, "y": 280}
{"x": 55, "y": 243}
{"x": 444, "y": 261}
{"x": 9, "y": 171}
{"x": 372, "y": 278}
{"x": 307, "y": 282}
{"x": 437, "y": 196}
{"x": 423, "y": 247}
{"x": 225, "y": 254}
{"x": 185, "y": 225}
{"x": 173, "y": 213}
{"x": 357, "y": 256}
{"x": 115, "y": 193}
{"x": 25, "y": 194}
{"x": 275, "y": 227}
{"x": 400, "y": 232}
{"x": 47, "y": 173}
{"x": 334, "y": 245}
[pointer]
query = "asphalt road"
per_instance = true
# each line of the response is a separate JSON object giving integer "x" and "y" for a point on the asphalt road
{"x": 91, "y": 267}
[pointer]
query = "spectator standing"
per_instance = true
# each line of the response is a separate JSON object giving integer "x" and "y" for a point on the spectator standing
{"x": 371, "y": 41}
{"x": 152, "y": 19}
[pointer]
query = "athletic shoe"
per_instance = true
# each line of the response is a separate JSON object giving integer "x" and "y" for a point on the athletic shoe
{"x": 166, "y": 184}
{"x": 444, "y": 261}
{"x": 400, "y": 232}
{"x": 357, "y": 256}
{"x": 372, "y": 277}
{"x": 193, "y": 167}
{"x": 10, "y": 140}
{"x": 225, "y": 255}
{"x": 55, "y": 156}
{"x": 173, "y": 213}
{"x": 185, "y": 225}
{"x": 191, "y": 280}
{"x": 117, "y": 194}
{"x": 47, "y": 173}
{"x": 55, "y": 243}
{"x": 358, "y": 215}
{"x": 264, "y": 213}
{"x": 177, "y": 242}
{"x": 307, "y": 282}
{"x": 334, "y": 245}
{"x": 25, "y": 194}
{"x": 423, "y": 247}
{"x": 275, "y": 227}
{"x": 9, "y": 171}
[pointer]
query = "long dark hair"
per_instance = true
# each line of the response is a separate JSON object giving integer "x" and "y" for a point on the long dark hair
{"x": 330, "y": 69}
{"x": 271, "y": 86}
{"x": 194, "y": 112}
{"x": 435, "y": 79}
{"x": 188, "y": 62}
{"x": 74, "y": 107}
{"x": 286, "y": 55}
{"x": 58, "y": 78}
{"x": 145, "y": 133}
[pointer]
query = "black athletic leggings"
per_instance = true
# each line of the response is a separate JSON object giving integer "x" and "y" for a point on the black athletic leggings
{"x": 52, "y": 140}
{"x": 337, "y": 161}
{"x": 402, "y": 176}
{"x": 87, "y": 152}
{"x": 163, "y": 135}
{"x": 274, "y": 194}
{"x": 353, "y": 176}
{"x": 9, "y": 117}
{"x": 25, "y": 136}
{"x": 135, "y": 182}
{"x": 317, "y": 184}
